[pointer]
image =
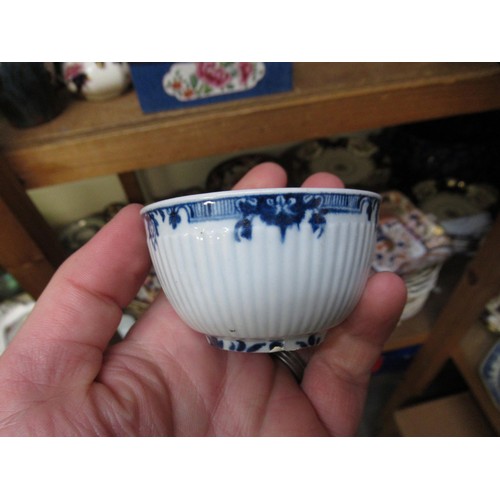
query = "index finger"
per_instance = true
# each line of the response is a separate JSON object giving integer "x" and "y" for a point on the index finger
{"x": 79, "y": 311}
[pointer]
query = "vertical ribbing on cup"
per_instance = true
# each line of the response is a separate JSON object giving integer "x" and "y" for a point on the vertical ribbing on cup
{"x": 330, "y": 273}
{"x": 260, "y": 279}
{"x": 298, "y": 264}
{"x": 341, "y": 277}
{"x": 333, "y": 274}
{"x": 287, "y": 291}
{"x": 309, "y": 270}
{"x": 272, "y": 288}
{"x": 366, "y": 259}
{"x": 347, "y": 276}
{"x": 255, "y": 278}
{"x": 355, "y": 234}
{"x": 218, "y": 305}
{"x": 251, "y": 299}
{"x": 221, "y": 256}
{"x": 179, "y": 253}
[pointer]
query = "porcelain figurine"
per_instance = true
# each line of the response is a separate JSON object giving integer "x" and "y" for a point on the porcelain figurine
{"x": 96, "y": 81}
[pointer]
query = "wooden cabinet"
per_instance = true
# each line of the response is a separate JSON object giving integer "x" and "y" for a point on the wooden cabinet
{"x": 115, "y": 137}
{"x": 456, "y": 334}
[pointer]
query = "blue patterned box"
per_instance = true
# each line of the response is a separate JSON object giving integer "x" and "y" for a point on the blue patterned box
{"x": 163, "y": 86}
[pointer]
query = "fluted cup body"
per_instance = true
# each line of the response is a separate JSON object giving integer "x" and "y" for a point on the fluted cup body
{"x": 263, "y": 270}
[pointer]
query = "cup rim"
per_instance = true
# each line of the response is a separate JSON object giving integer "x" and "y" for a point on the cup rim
{"x": 217, "y": 195}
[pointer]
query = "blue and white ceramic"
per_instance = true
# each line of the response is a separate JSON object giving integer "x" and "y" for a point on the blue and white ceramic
{"x": 489, "y": 371}
{"x": 263, "y": 270}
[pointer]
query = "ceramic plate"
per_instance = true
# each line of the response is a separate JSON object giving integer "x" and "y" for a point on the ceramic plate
{"x": 78, "y": 233}
{"x": 491, "y": 315}
{"x": 449, "y": 206}
{"x": 490, "y": 373}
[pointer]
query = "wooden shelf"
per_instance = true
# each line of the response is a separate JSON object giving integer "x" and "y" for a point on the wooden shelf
{"x": 413, "y": 331}
{"x": 452, "y": 416}
{"x": 416, "y": 330}
{"x": 92, "y": 139}
{"x": 455, "y": 336}
{"x": 468, "y": 356}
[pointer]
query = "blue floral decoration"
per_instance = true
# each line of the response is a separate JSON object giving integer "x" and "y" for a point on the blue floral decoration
{"x": 283, "y": 211}
{"x": 261, "y": 346}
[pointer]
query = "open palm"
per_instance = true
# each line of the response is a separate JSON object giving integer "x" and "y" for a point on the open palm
{"x": 60, "y": 377}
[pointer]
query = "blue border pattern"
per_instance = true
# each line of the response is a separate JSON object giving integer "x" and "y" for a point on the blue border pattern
{"x": 265, "y": 346}
{"x": 280, "y": 210}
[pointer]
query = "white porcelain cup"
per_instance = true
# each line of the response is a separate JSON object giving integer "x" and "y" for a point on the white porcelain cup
{"x": 263, "y": 270}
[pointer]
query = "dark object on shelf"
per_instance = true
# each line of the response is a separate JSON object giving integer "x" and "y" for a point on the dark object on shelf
{"x": 111, "y": 210}
{"x": 464, "y": 210}
{"x": 75, "y": 235}
{"x": 491, "y": 315}
{"x": 464, "y": 147}
{"x": 8, "y": 285}
{"x": 397, "y": 360}
{"x": 225, "y": 175}
{"x": 30, "y": 93}
{"x": 354, "y": 159}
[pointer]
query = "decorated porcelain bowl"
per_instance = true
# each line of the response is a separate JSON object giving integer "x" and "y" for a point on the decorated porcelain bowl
{"x": 263, "y": 270}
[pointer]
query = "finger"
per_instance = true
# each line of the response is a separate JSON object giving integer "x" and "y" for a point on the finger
{"x": 79, "y": 311}
{"x": 265, "y": 175}
{"x": 337, "y": 375}
{"x": 323, "y": 179}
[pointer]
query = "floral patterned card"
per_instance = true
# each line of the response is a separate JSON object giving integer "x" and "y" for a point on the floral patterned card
{"x": 189, "y": 81}
{"x": 162, "y": 86}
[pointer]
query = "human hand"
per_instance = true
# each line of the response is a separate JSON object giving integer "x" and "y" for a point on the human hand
{"x": 60, "y": 376}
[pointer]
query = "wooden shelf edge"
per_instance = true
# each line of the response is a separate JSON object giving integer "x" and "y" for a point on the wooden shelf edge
{"x": 118, "y": 145}
{"x": 467, "y": 356}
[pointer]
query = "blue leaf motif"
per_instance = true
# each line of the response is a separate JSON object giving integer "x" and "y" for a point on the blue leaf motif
{"x": 243, "y": 229}
{"x": 153, "y": 231}
{"x": 256, "y": 347}
{"x": 174, "y": 218}
{"x": 318, "y": 223}
{"x": 238, "y": 346}
{"x": 371, "y": 207}
{"x": 247, "y": 206}
{"x": 275, "y": 344}
{"x": 312, "y": 201}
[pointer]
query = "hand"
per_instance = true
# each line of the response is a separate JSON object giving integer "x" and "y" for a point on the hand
{"x": 59, "y": 376}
